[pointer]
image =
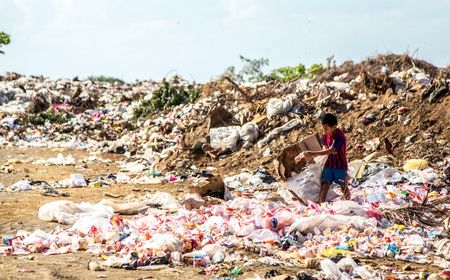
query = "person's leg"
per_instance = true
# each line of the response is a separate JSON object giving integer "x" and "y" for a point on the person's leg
{"x": 323, "y": 192}
{"x": 327, "y": 178}
{"x": 345, "y": 190}
{"x": 342, "y": 181}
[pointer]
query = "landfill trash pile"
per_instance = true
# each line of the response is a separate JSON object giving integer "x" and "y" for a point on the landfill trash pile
{"x": 266, "y": 222}
{"x": 234, "y": 145}
{"x": 223, "y": 121}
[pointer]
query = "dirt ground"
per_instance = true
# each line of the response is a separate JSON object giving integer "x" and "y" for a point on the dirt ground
{"x": 18, "y": 210}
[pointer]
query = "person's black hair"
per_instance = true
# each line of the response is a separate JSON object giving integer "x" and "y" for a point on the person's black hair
{"x": 329, "y": 119}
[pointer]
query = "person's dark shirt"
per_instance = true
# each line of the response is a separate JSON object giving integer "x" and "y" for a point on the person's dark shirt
{"x": 338, "y": 141}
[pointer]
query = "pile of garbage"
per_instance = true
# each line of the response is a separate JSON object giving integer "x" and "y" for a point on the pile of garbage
{"x": 259, "y": 220}
{"x": 222, "y": 118}
{"x": 394, "y": 112}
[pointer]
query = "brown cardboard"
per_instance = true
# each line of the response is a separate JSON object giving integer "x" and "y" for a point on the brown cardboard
{"x": 286, "y": 159}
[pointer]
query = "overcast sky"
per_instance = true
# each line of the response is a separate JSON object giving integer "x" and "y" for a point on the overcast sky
{"x": 142, "y": 39}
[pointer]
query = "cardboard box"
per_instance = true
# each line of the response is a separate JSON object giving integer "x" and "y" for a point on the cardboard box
{"x": 286, "y": 158}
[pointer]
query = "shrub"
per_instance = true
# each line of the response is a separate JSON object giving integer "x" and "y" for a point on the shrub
{"x": 251, "y": 70}
{"x": 166, "y": 96}
{"x": 5, "y": 39}
{"x": 290, "y": 73}
{"x": 105, "y": 79}
{"x": 51, "y": 116}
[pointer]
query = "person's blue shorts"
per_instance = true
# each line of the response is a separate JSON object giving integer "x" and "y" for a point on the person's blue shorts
{"x": 330, "y": 175}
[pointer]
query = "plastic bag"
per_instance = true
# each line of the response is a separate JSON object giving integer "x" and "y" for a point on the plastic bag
{"x": 323, "y": 221}
{"x": 348, "y": 207}
{"x": 224, "y": 138}
{"x": 347, "y": 264}
{"x": 60, "y": 160}
{"x": 213, "y": 222}
{"x": 249, "y": 133}
{"x": 85, "y": 224}
{"x": 165, "y": 242}
{"x": 67, "y": 212}
{"x": 166, "y": 200}
{"x": 377, "y": 197}
{"x": 415, "y": 164}
{"x": 38, "y": 236}
{"x": 77, "y": 180}
{"x": 307, "y": 184}
{"x": 330, "y": 269}
{"x": 263, "y": 235}
{"x": 22, "y": 185}
{"x": 277, "y": 106}
{"x": 366, "y": 273}
{"x": 122, "y": 178}
{"x": 245, "y": 230}
{"x": 382, "y": 178}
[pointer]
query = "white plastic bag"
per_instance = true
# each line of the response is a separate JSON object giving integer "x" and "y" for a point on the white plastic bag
{"x": 348, "y": 207}
{"x": 277, "y": 106}
{"x": 22, "y": 185}
{"x": 249, "y": 133}
{"x": 263, "y": 235}
{"x": 324, "y": 221}
{"x": 307, "y": 184}
{"x": 347, "y": 264}
{"x": 330, "y": 269}
{"x": 67, "y": 212}
{"x": 77, "y": 180}
{"x": 224, "y": 138}
{"x": 84, "y": 224}
{"x": 165, "y": 242}
{"x": 166, "y": 200}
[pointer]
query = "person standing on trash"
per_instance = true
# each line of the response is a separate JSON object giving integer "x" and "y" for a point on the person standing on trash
{"x": 335, "y": 169}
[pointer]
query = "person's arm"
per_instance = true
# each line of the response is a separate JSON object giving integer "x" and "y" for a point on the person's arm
{"x": 320, "y": 153}
{"x": 307, "y": 154}
{"x": 338, "y": 142}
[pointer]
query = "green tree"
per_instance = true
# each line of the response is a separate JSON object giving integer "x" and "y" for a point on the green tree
{"x": 5, "y": 39}
{"x": 288, "y": 73}
{"x": 252, "y": 70}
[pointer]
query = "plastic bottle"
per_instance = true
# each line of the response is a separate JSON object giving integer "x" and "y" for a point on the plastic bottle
{"x": 198, "y": 258}
{"x": 236, "y": 271}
